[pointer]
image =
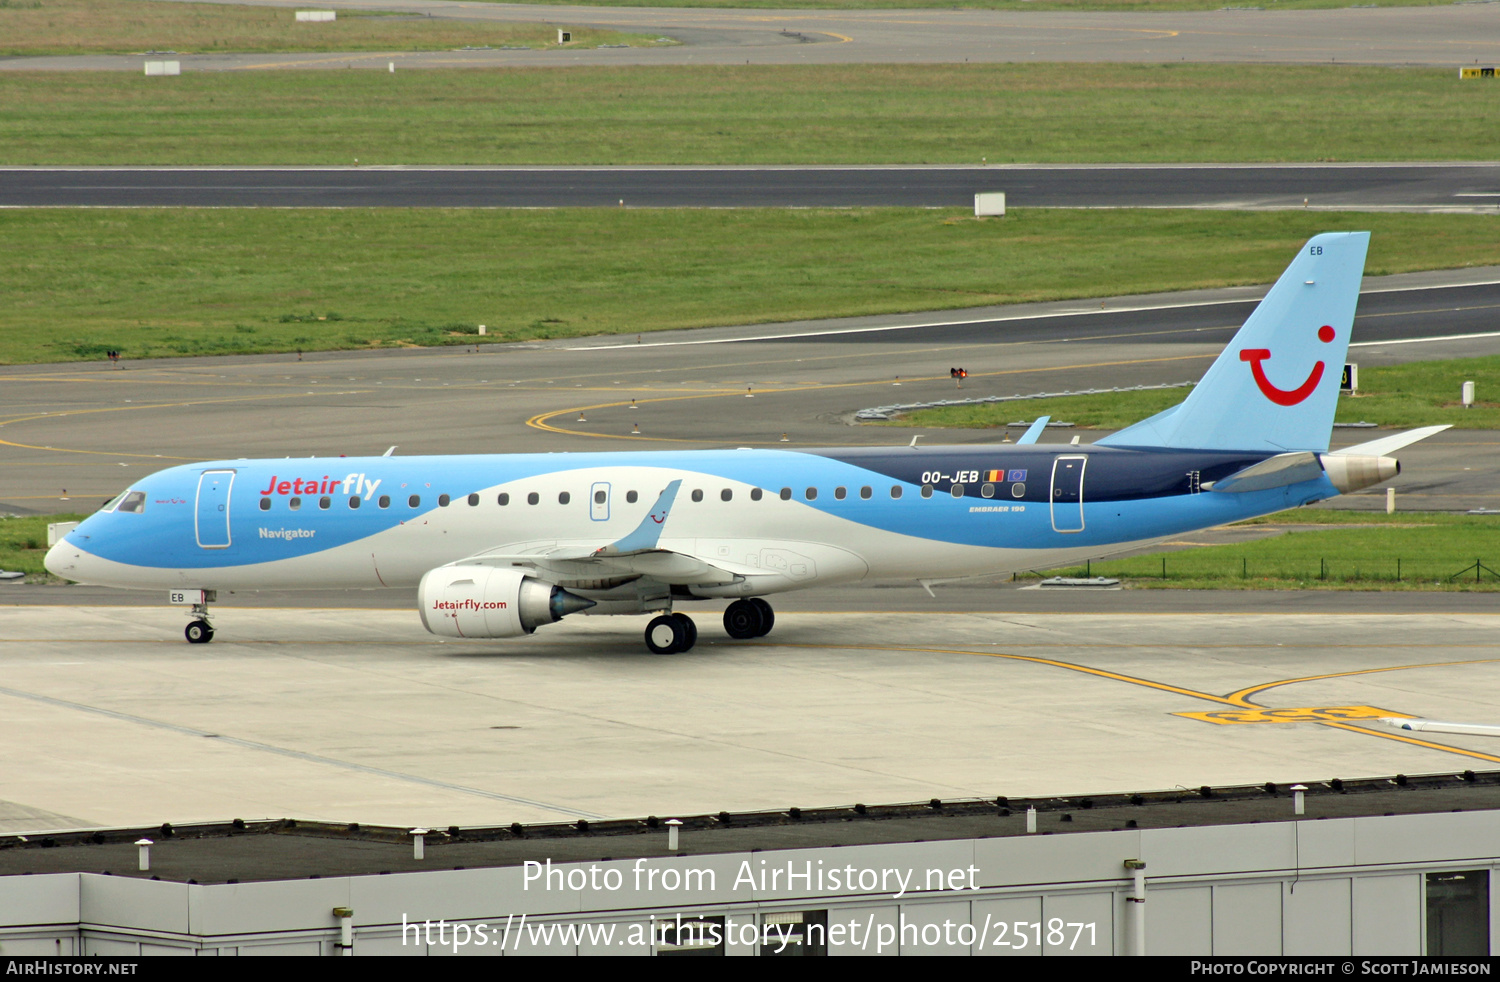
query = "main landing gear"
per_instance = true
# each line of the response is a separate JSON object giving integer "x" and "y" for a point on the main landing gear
{"x": 751, "y": 618}
{"x": 670, "y": 634}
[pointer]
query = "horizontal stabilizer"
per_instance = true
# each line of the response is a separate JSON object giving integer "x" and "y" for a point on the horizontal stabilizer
{"x": 1390, "y": 444}
{"x": 1034, "y": 431}
{"x": 1279, "y": 471}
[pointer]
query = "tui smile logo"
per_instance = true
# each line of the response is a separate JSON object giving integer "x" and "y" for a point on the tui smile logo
{"x": 1285, "y": 397}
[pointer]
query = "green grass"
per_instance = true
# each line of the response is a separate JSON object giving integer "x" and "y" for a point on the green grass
{"x": 836, "y": 114}
{"x": 1423, "y": 393}
{"x": 75, "y": 27}
{"x": 165, "y": 282}
{"x": 1374, "y": 552}
{"x": 23, "y": 543}
{"x": 1115, "y": 6}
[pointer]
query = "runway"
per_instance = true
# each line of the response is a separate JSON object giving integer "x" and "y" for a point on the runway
{"x": 1445, "y": 36}
{"x": 73, "y": 435}
{"x": 356, "y": 714}
{"x": 1419, "y": 187}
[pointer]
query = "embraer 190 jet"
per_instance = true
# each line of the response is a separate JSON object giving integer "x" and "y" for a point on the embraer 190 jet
{"x": 499, "y": 545}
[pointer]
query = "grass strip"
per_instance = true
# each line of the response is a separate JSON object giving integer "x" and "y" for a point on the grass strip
{"x": 1112, "y": 6}
{"x": 84, "y": 27}
{"x": 23, "y": 544}
{"x": 1373, "y": 552}
{"x": 1423, "y": 393}
{"x": 165, "y": 282}
{"x": 748, "y": 114}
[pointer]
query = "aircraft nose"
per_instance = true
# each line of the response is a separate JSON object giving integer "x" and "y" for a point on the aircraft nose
{"x": 62, "y": 560}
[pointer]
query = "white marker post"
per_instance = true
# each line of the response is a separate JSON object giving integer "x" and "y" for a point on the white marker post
{"x": 1299, "y": 799}
{"x": 419, "y": 843}
{"x": 143, "y": 854}
{"x": 673, "y": 827}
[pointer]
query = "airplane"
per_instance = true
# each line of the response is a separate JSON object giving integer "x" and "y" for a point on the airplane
{"x": 499, "y": 545}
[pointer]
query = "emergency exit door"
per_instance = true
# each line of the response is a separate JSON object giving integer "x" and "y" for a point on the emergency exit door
{"x": 1067, "y": 494}
{"x": 212, "y": 518}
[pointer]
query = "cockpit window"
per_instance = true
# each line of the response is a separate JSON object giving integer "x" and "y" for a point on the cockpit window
{"x": 112, "y": 503}
{"x": 133, "y": 502}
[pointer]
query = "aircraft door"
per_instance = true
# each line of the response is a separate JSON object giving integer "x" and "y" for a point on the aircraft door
{"x": 212, "y": 518}
{"x": 599, "y": 502}
{"x": 1067, "y": 494}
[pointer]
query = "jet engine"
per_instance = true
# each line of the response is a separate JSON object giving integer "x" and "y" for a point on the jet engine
{"x": 489, "y": 602}
{"x": 1350, "y": 472}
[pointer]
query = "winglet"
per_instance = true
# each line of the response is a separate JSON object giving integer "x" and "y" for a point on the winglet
{"x": 1034, "y": 432}
{"x": 646, "y": 534}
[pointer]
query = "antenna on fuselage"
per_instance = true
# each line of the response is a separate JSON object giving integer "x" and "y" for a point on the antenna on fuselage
{"x": 914, "y": 439}
{"x": 389, "y": 452}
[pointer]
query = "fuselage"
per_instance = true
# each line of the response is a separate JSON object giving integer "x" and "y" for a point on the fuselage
{"x": 799, "y": 516}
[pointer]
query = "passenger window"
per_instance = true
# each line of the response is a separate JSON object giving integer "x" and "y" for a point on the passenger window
{"x": 756, "y": 494}
{"x": 812, "y": 494}
{"x": 504, "y": 498}
{"x": 533, "y": 498}
{"x": 958, "y": 490}
{"x": 988, "y": 490}
{"x": 895, "y": 490}
{"x": 927, "y": 490}
{"x": 324, "y": 502}
{"x": 135, "y": 503}
{"x": 1018, "y": 490}
{"x": 415, "y": 501}
{"x": 385, "y": 501}
{"x": 473, "y": 500}
{"x": 839, "y": 493}
{"x": 726, "y": 495}
{"x": 631, "y": 497}
{"x": 295, "y": 504}
{"x": 865, "y": 492}
{"x": 443, "y": 501}
{"x": 354, "y": 501}
{"x": 563, "y": 498}
{"x": 697, "y": 494}
{"x": 786, "y": 494}
{"x": 599, "y": 497}
{"x": 265, "y": 504}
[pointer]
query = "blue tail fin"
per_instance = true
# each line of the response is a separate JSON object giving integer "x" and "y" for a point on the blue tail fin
{"x": 1276, "y": 385}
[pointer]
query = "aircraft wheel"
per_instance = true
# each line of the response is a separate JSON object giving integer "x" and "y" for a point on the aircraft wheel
{"x": 743, "y": 619}
{"x": 198, "y": 632}
{"x": 690, "y": 632}
{"x": 664, "y": 634}
{"x": 767, "y": 616}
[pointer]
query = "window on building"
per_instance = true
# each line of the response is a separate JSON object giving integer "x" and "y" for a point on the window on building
{"x": 1458, "y": 913}
{"x": 795, "y": 932}
{"x": 690, "y": 936}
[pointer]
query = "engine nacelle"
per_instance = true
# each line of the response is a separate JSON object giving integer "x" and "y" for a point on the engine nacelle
{"x": 1350, "y": 472}
{"x": 489, "y": 602}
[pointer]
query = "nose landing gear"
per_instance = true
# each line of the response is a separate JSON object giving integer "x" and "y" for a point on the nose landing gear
{"x": 199, "y": 629}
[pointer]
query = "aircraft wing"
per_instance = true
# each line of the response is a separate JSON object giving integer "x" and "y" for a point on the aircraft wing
{"x": 635, "y": 555}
